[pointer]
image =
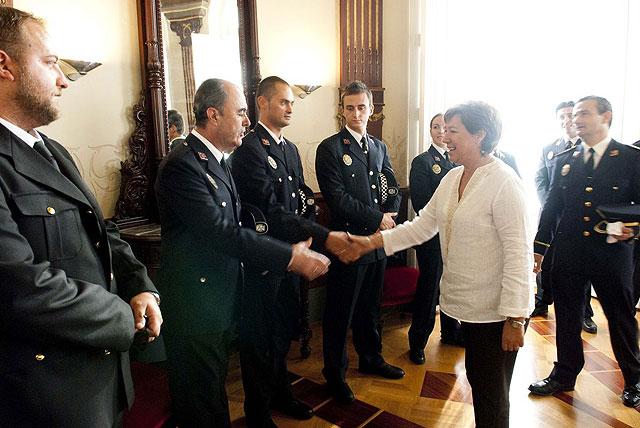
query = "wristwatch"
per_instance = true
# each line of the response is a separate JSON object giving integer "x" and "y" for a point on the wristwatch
{"x": 515, "y": 323}
{"x": 156, "y": 295}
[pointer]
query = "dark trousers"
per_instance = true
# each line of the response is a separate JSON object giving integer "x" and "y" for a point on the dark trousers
{"x": 615, "y": 293}
{"x": 353, "y": 298}
{"x": 636, "y": 273}
{"x": 544, "y": 293}
{"x": 489, "y": 372}
{"x": 269, "y": 323}
{"x": 426, "y": 300}
{"x": 197, "y": 371}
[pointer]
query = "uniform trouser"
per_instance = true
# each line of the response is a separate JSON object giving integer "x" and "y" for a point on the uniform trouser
{"x": 489, "y": 372}
{"x": 544, "y": 293}
{"x": 615, "y": 293}
{"x": 353, "y": 298}
{"x": 197, "y": 371}
{"x": 426, "y": 300}
{"x": 269, "y": 323}
{"x": 636, "y": 274}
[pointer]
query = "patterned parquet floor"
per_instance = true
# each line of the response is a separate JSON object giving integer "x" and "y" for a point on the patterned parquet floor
{"x": 437, "y": 394}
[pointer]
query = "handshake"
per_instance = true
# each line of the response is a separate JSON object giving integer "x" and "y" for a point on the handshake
{"x": 348, "y": 248}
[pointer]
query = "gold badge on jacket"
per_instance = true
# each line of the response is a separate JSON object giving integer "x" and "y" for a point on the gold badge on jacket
{"x": 266, "y": 142}
{"x": 272, "y": 162}
{"x": 565, "y": 169}
{"x": 212, "y": 181}
{"x": 550, "y": 155}
{"x": 436, "y": 169}
{"x": 347, "y": 160}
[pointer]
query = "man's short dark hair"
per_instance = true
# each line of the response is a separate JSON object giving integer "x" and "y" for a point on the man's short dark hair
{"x": 175, "y": 119}
{"x": 355, "y": 88}
{"x": 602, "y": 103}
{"x": 12, "y": 22}
{"x": 476, "y": 116}
{"x": 211, "y": 93}
{"x": 564, "y": 104}
{"x": 267, "y": 86}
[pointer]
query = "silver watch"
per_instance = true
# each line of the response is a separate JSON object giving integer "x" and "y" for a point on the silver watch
{"x": 156, "y": 295}
{"x": 515, "y": 323}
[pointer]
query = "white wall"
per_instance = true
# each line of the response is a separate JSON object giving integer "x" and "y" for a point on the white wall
{"x": 96, "y": 117}
{"x": 303, "y": 47}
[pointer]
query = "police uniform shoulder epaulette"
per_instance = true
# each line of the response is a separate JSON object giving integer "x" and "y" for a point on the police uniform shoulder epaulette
{"x": 569, "y": 150}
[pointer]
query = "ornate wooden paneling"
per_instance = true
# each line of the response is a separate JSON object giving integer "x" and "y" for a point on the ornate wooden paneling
{"x": 361, "y": 53}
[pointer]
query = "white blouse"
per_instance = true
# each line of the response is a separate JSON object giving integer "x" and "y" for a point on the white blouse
{"x": 487, "y": 244}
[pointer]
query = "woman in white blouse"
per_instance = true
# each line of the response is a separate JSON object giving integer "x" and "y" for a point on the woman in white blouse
{"x": 486, "y": 237}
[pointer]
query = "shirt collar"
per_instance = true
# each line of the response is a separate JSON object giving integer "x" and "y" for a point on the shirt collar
{"x": 599, "y": 147}
{"x": 216, "y": 153}
{"x": 355, "y": 135}
{"x": 21, "y": 133}
{"x": 274, "y": 136}
{"x": 438, "y": 148}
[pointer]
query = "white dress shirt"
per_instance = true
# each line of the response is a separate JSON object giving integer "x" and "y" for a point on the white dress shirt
{"x": 598, "y": 150}
{"x": 487, "y": 244}
{"x": 213, "y": 149}
{"x": 23, "y": 135}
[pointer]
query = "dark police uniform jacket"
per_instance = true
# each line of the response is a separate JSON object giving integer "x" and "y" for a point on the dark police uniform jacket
{"x": 204, "y": 248}
{"x": 271, "y": 179}
{"x": 507, "y": 158}
{"x": 350, "y": 185}
{"x": 546, "y": 164}
{"x": 570, "y": 209}
{"x": 427, "y": 170}
{"x": 65, "y": 324}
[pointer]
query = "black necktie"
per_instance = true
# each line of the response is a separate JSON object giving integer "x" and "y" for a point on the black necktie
{"x": 45, "y": 153}
{"x": 224, "y": 166}
{"x": 365, "y": 145}
{"x": 446, "y": 156}
{"x": 590, "y": 162}
{"x": 568, "y": 144}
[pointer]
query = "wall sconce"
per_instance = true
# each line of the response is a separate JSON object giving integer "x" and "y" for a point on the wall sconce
{"x": 74, "y": 70}
{"x": 307, "y": 89}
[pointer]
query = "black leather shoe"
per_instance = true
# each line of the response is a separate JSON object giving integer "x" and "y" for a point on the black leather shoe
{"x": 383, "y": 370}
{"x": 416, "y": 356}
{"x": 294, "y": 408}
{"x": 341, "y": 392}
{"x": 548, "y": 386}
{"x": 540, "y": 311}
{"x": 631, "y": 396}
{"x": 589, "y": 326}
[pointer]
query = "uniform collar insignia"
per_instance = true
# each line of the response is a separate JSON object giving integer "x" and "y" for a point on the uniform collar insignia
{"x": 346, "y": 141}
{"x": 266, "y": 142}
{"x": 437, "y": 158}
{"x": 614, "y": 152}
{"x": 202, "y": 156}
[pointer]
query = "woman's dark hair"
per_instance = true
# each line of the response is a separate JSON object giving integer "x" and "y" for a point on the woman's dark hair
{"x": 434, "y": 118}
{"x": 477, "y": 116}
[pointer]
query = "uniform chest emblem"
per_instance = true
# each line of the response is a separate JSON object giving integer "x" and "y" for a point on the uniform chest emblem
{"x": 346, "y": 141}
{"x": 272, "y": 162}
{"x": 347, "y": 160}
{"x": 565, "y": 169}
{"x": 437, "y": 158}
{"x": 614, "y": 153}
{"x": 212, "y": 181}
{"x": 550, "y": 155}
{"x": 202, "y": 156}
{"x": 266, "y": 142}
{"x": 436, "y": 169}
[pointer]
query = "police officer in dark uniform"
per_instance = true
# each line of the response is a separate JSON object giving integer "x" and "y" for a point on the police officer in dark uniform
{"x": 427, "y": 169}
{"x": 268, "y": 173}
{"x": 348, "y": 165}
{"x": 598, "y": 171}
{"x": 507, "y": 158}
{"x": 636, "y": 271}
{"x": 544, "y": 294}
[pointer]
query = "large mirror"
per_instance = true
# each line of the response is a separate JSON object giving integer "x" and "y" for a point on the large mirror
{"x": 182, "y": 43}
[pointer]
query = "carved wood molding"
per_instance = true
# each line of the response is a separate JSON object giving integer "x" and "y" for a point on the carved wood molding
{"x": 249, "y": 54}
{"x": 361, "y": 54}
{"x": 135, "y": 170}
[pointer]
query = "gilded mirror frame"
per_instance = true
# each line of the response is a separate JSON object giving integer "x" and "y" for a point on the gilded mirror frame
{"x": 149, "y": 142}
